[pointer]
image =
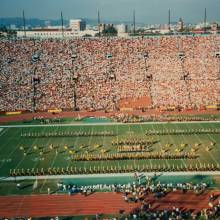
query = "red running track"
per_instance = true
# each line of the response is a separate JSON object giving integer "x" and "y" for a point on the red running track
{"x": 102, "y": 203}
{"x": 30, "y": 116}
{"x": 63, "y": 205}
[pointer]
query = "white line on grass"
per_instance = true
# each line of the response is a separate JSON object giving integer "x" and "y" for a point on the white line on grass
{"x": 199, "y": 161}
{"x": 8, "y": 139}
{"x": 89, "y": 143}
{"x": 54, "y": 158}
{"x": 52, "y": 163}
{"x": 82, "y": 176}
{"x": 75, "y": 143}
{"x": 103, "y": 142}
{"x": 171, "y": 138}
{"x": 197, "y": 136}
{"x": 109, "y": 123}
{"x": 117, "y": 142}
{"x": 13, "y": 151}
{"x": 160, "y": 144}
{"x": 143, "y": 133}
{"x": 212, "y": 140}
{"x": 3, "y": 130}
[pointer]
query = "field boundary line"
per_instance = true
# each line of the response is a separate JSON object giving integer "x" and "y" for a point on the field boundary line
{"x": 80, "y": 176}
{"x": 110, "y": 123}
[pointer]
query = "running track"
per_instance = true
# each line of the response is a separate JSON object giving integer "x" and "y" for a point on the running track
{"x": 63, "y": 205}
{"x": 108, "y": 203}
{"x": 29, "y": 116}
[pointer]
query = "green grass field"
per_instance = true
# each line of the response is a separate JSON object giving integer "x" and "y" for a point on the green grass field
{"x": 11, "y": 157}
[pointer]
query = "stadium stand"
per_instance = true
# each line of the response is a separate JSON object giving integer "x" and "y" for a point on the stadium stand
{"x": 110, "y": 74}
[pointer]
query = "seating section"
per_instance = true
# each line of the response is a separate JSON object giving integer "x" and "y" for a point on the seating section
{"x": 99, "y": 74}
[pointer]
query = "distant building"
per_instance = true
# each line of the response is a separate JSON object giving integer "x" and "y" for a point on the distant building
{"x": 202, "y": 25}
{"x": 47, "y": 23}
{"x": 164, "y": 29}
{"x": 109, "y": 25}
{"x": 45, "y": 33}
{"x": 122, "y": 28}
{"x": 102, "y": 27}
{"x": 13, "y": 27}
{"x": 214, "y": 28}
{"x": 77, "y": 25}
{"x": 180, "y": 25}
{"x": 55, "y": 33}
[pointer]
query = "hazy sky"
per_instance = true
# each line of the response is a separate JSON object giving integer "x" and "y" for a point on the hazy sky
{"x": 147, "y": 11}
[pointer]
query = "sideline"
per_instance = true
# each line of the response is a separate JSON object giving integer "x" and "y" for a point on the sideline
{"x": 108, "y": 123}
{"x": 85, "y": 176}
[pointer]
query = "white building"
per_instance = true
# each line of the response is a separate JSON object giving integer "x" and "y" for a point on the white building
{"x": 55, "y": 33}
{"x": 122, "y": 28}
{"x": 77, "y": 25}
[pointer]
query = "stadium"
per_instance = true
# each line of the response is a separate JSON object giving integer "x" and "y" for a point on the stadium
{"x": 102, "y": 128}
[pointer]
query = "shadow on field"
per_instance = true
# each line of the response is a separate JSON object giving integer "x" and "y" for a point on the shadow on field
{"x": 26, "y": 186}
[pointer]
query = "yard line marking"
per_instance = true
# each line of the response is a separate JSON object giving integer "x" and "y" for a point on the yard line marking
{"x": 171, "y": 138}
{"x": 8, "y": 139}
{"x": 89, "y": 143}
{"x": 5, "y": 144}
{"x": 143, "y": 133}
{"x": 103, "y": 142}
{"x": 35, "y": 140}
{"x": 130, "y": 136}
{"x": 117, "y": 133}
{"x": 75, "y": 142}
{"x": 161, "y": 147}
{"x": 37, "y": 162}
{"x": 208, "y": 151}
{"x": 199, "y": 161}
{"x": 3, "y": 131}
{"x": 212, "y": 140}
{"x": 211, "y": 137}
{"x": 185, "y": 139}
{"x": 53, "y": 161}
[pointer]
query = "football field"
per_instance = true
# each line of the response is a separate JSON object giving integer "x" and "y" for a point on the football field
{"x": 101, "y": 148}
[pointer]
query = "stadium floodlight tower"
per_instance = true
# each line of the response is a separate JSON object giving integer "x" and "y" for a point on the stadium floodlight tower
{"x": 205, "y": 20}
{"x": 217, "y": 56}
{"x": 24, "y": 23}
{"x": 99, "y": 24}
{"x": 185, "y": 76}
{"x": 169, "y": 19}
{"x": 109, "y": 71}
{"x": 61, "y": 14}
{"x": 74, "y": 79}
{"x": 35, "y": 79}
{"x": 148, "y": 77}
{"x": 134, "y": 23}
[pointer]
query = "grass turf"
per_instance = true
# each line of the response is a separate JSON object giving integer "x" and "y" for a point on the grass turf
{"x": 11, "y": 156}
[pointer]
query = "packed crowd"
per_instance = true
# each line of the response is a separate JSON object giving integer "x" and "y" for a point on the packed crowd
{"x": 95, "y": 74}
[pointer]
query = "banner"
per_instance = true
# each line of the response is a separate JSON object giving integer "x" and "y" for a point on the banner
{"x": 13, "y": 113}
{"x": 55, "y": 110}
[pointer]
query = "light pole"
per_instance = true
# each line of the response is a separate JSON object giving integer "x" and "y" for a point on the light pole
{"x": 74, "y": 80}
{"x": 35, "y": 80}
